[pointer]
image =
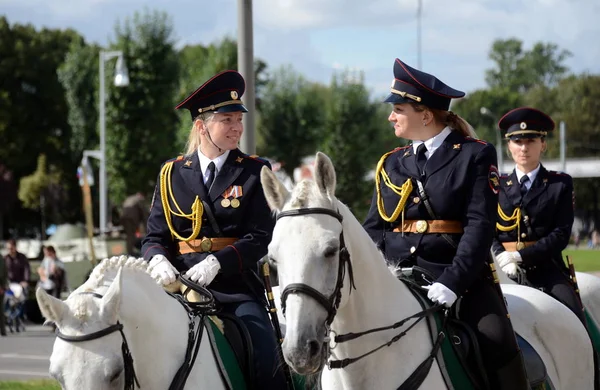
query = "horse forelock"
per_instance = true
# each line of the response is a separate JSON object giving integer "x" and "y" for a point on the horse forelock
{"x": 306, "y": 194}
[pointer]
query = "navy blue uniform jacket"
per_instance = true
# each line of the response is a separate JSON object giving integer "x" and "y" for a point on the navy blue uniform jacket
{"x": 252, "y": 222}
{"x": 461, "y": 180}
{"x": 546, "y": 217}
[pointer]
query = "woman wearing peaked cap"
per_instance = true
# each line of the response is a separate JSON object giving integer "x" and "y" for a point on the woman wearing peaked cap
{"x": 209, "y": 218}
{"x": 535, "y": 210}
{"x": 433, "y": 207}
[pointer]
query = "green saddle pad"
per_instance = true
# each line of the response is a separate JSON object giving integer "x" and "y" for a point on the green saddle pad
{"x": 230, "y": 370}
{"x": 594, "y": 331}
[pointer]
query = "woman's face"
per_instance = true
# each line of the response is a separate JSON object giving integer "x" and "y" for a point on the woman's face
{"x": 225, "y": 129}
{"x": 526, "y": 152}
{"x": 406, "y": 121}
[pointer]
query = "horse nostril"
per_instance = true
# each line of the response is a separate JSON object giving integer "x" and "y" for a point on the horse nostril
{"x": 313, "y": 348}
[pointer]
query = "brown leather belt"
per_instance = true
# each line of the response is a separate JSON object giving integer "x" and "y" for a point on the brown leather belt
{"x": 205, "y": 245}
{"x": 434, "y": 226}
{"x": 515, "y": 246}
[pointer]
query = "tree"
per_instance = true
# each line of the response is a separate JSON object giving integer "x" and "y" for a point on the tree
{"x": 33, "y": 110}
{"x": 8, "y": 194}
{"x": 519, "y": 70}
{"x": 79, "y": 78}
{"x": 291, "y": 118}
{"x": 352, "y": 139}
{"x": 140, "y": 120}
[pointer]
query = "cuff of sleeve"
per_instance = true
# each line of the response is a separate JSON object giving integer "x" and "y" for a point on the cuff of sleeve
{"x": 155, "y": 250}
{"x": 230, "y": 260}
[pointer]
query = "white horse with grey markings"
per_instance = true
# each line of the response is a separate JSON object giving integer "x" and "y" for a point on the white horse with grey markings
{"x": 312, "y": 234}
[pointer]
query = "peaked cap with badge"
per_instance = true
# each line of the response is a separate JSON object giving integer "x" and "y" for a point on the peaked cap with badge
{"x": 525, "y": 122}
{"x": 221, "y": 93}
{"x": 411, "y": 85}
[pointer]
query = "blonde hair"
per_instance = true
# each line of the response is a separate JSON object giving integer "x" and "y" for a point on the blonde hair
{"x": 448, "y": 118}
{"x": 194, "y": 138}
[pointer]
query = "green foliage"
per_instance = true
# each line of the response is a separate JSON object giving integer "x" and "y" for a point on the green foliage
{"x": 79, "y": 78}
{"x": 352, "y": 139}
{"x": 140, "y": 121}
{"x": 34, "y": 186}
{"x": 519, "y": 70}
{"x": 291, "y": 118}
{"x": 33, "y": 109}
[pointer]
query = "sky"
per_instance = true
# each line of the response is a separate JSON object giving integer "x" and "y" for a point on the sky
{"x": 321, "y": 37}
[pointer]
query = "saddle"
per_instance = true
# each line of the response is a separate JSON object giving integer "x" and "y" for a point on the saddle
{"x": 460, "y": 357}
{"x": 223, "y": 327}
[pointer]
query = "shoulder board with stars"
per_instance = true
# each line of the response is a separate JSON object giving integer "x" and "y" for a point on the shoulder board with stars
{"x": 175, "y": 159}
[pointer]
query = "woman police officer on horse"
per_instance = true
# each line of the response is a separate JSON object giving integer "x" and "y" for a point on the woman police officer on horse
{"x": 535, "y": 211}
{"x": 434, "y": 206}
{"x": 209, "y": 218}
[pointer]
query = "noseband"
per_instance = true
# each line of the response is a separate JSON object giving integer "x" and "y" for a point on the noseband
{"x": 130, "y": 376}
{"x": 332, "y": 302}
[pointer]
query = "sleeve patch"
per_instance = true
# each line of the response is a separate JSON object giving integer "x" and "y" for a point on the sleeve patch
{"x": 494, "y": 179}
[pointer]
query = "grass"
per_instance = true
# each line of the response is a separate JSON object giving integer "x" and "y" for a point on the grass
{"x": 585, "y": 260}
{"x": 45, "y": 384}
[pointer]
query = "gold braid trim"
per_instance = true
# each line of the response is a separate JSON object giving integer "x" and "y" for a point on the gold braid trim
{"x": 403, "y": 191}
{"x": 197, "y": 208}
{"x": 516, "y": 217}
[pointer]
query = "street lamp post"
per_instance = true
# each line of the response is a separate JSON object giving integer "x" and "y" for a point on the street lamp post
{"x": 485, "y": 111}
{"x": 121, "y": 80}
{"x": 246, "y": 68}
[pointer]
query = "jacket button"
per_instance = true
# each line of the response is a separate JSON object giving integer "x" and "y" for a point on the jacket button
{"x": 523, "y": 235}
{"x": 416, "y": 199}
{"x": 412, "y": 249}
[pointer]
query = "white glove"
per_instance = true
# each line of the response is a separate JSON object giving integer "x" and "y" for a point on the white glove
{"x": 163, "y": 269}
{"x": 506, "y": 257}
{"x": 205, "y": 271}
{"x": 441, "y": 294}
{"x": 511, "y": 269}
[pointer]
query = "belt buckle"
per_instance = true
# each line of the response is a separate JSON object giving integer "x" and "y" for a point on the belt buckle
{"x": 422, "y": 226}
{"x": 206, "y": 244}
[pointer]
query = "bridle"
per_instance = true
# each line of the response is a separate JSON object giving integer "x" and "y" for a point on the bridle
{"x": 130, "y": 376}
{"x": 196, "y": 311}
{"x": 332, "y": 302}
{"x": 331, "y": 305}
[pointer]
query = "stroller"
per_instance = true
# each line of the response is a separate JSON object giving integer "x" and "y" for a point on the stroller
{"x": 14, "y": 302}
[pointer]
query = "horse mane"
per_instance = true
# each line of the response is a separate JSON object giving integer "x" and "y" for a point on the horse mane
{"x": 114, "y": 263}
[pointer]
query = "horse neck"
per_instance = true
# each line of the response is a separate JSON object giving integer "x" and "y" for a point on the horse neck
{"x": 156, "y": 328}
{"x": 380, "y": 299}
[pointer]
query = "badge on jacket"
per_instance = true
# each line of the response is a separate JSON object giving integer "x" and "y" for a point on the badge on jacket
{"x": 494, "y": 179}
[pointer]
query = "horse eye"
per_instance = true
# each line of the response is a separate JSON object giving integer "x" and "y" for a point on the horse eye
{"x": 116, "y": 375}
{"x": 330, "y": 252}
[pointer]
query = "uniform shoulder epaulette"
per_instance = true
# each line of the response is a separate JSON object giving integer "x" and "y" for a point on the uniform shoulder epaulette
{"x": 558, "y": 173}
{"x": 174, "y": 159}
{"x": 476, "y": 140}
{"x": 399, "y": 148}
{"x": 256, "y": 157}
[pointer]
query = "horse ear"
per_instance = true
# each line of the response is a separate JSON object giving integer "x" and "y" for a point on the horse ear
{"x": 325, "y": 174}
{"x": 53, "y": 309}
{"x": 111, "y": 302}
{"x": 275, "y": 192}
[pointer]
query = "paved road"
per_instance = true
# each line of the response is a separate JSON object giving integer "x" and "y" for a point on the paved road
{"x": 25, "y": 355}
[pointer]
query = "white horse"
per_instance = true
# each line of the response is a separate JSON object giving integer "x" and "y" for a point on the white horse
{"x": 154, "y": 325}
{"x": 589, "y": 289}
{"x": 306, "y": 248}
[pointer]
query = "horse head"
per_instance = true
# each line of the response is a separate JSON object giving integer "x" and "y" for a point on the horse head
{"x": 306, "y": 247}
{"x": 100, "y": 365}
